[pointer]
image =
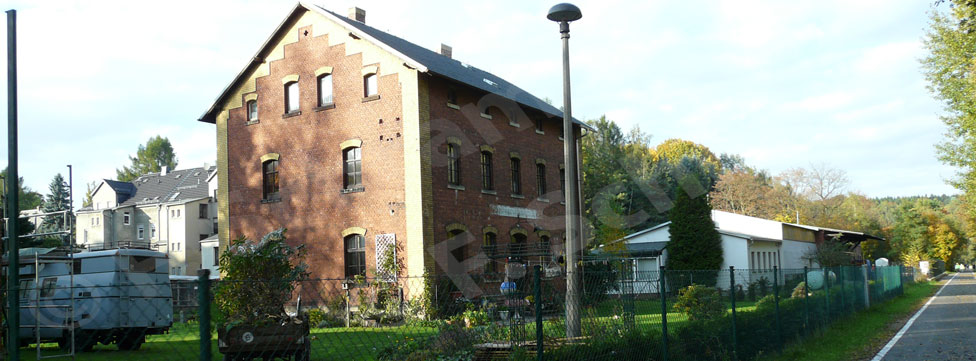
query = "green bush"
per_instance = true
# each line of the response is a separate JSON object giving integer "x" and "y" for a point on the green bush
{"x": 798, "y": 290}
{"x": 700, "y": 303}
{"x": 259, "y": 278}
{"x": 766, "y": 303}
{"x": 630, "y": 345}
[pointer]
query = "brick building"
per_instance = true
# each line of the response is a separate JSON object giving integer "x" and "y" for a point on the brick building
{"x": 357, "y": 140}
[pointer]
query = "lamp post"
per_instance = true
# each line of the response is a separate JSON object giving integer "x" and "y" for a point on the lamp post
{"x": 563, "y": 14}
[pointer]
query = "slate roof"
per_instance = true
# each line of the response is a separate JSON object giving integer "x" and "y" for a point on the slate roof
{"x": 123, "y": 190}
{"x": 175, "y": 186}
{"x": 431, "y": 61}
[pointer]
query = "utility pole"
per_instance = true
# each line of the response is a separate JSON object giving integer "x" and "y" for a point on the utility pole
{"x": 13, "y": 212}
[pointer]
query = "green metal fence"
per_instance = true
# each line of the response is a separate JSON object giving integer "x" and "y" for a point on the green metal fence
{"x": 724, "y": 314}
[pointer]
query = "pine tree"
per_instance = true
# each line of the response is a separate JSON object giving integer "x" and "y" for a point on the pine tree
{"x": 695, "y": 244}
{"x": 56, "y": 200}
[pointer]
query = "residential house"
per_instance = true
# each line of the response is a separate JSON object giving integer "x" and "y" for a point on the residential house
{"x": 358, "y": 142}
{"x": 754, "y": 246}
{"x": 169, "y": 211}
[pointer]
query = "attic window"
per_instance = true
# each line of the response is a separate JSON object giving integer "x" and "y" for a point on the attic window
{"x": 196, "y": 174}
{"x": 178, "y": 175}
{"x": 156, "y": 198}
{"x": 145, "y": 199}
{"x": 489, "y": 82}
{"x": 465, "y": 65}
{"x": 177, "y": 194}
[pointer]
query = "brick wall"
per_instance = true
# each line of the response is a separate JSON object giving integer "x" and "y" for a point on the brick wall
{"x": 471, "y": 206}
{"x": 312, "y": 205}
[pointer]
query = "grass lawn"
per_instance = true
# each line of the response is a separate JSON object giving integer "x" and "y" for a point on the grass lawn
{"x": 182, "y": 343}
{"x": 860, "y": 335}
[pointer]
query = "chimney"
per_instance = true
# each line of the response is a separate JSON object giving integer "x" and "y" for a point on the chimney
{"x": 446, "y": 50}
{"x": 164, "y": 170}
{"x": 357, "y": 14}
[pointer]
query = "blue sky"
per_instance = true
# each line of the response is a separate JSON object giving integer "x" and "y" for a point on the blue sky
{"x": 783, "y": 83}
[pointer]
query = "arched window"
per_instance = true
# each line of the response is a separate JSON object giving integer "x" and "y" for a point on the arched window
{"x": 540, "y": 179}
{"x": 459, "y": 253}
{"x": 352, "y": 168}
{"x": 490, "y": 245}
{"x": 291, "y": 97}
{"x": 355, "y": 255}
{"x": 252, "y": 110}
{"x": 369, "y": 85}
{"x": 453, "y": 164}
{"x": 270, "y": 180}
{"x": 518, "y": 247}
{"x": 324, "y": 82}
{"x": 487, "y": 176}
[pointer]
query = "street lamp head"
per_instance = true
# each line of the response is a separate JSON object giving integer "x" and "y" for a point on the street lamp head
{"x": 564, "y": 12}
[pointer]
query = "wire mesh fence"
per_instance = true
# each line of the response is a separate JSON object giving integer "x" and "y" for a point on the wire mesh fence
{"x": 624, "y": 315}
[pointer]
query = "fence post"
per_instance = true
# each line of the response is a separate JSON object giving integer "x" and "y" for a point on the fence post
{"x": 662, "y": 290}
{"x": 901, "y": 283}
{"x": 732, "y": 293}
{"x": 538, "y": 312}
{"x": 840, "y": 277}
{"x": 806, "y": 301}
{"x": 826, "y": 288}
{"x": 779, "y": 326}
{"x": 867, "y": 287}
{"x": 203, "y": 298}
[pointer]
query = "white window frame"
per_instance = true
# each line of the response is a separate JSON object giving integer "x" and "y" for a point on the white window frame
{"x": 326, "y": 95}
{"x": 141, "y": 232}
{"x": 292, "y": 98}
{"x": 370, "y": 85}
{"x": 126, "y": 218}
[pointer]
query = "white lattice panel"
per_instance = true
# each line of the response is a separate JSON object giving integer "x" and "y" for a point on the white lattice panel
{"x": 385, "y": 243}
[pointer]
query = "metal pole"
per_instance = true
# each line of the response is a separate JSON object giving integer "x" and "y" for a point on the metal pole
{"x": 826, "y": 286}
{"x": 664, "y": 311}
{"x": 13, "y": 303}
{"x": 538, "y": 313}
{"x": 69, "y": 217}
{"x": 864, "y": 283}
{"x": 203, "y": 298}
{"x": 573, "y": 329}
{"x": 732, "y": 293}
{"x": 779, "y": 326}
{"x": 806, "y": 302}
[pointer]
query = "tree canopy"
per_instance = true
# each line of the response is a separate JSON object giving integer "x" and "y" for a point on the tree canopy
{"x": 150, "y": 158}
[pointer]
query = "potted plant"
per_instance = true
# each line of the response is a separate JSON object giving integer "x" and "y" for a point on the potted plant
{"x": 258, "y": 280}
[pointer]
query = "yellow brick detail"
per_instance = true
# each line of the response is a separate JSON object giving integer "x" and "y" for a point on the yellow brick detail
{"x": 323, "y": 70}
{"x": 487, "y": 148}
{"x": 289, "y": 78}
{"x": 250, "y": 97}
{"x": 351, "y": 143}
{"x": 270, "y": 156}
{"x": 369, "y": 70}
{"x": 353, "y": 230}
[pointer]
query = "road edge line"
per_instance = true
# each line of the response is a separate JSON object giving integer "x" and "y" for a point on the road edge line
{"x": 891, "y": 343}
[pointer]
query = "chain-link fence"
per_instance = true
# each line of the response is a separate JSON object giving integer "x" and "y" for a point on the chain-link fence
{"x": 624, "y": 315}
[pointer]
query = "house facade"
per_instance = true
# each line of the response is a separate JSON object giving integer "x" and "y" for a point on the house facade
{"x": 168, "y": 211}
{"x": 361, "y": 143}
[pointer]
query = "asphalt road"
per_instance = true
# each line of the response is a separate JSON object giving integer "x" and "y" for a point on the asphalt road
{"x": 946, "y": 329}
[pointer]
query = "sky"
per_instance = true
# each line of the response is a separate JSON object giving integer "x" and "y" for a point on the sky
{"x": 783, "y": 83}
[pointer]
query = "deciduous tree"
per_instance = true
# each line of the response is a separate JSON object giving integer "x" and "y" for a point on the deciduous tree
{"x": 150, "y": 158}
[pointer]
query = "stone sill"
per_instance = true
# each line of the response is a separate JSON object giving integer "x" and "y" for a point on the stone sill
{"x": 325, "y": 107}
{"x": 371, "y": 98}
{"x": 292, "y": 114}
{"x": 455, "y": 187}
{"x": 453, "y": 106}
{"x": 352, "y": 190}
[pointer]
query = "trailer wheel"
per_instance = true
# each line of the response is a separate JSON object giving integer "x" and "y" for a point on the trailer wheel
{"x": 84, "y": 341}
{"x": 132, "y": 342}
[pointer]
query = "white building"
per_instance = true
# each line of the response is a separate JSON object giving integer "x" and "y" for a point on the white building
{"x": 168, "y": 211}
{"x": 752, "y": 245}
